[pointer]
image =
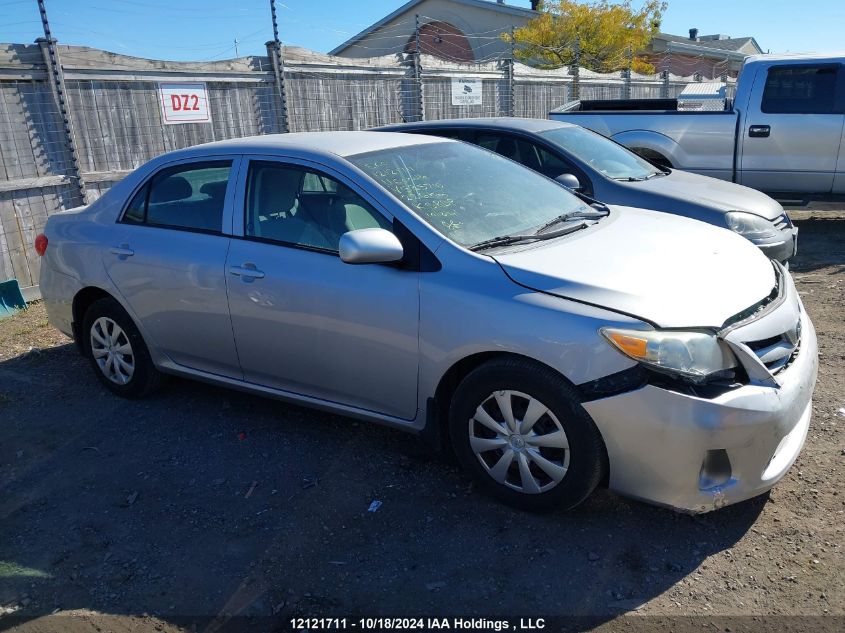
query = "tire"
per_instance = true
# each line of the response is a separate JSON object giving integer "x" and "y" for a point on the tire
{"x": 108, "y": 332}
{"x": 562, "y": 451}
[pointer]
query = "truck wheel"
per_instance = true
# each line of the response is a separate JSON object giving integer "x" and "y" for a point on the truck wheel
{"x": 520, "y": 430}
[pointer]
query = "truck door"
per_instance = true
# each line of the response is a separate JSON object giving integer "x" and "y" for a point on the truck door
{"x": 792, "y": 130}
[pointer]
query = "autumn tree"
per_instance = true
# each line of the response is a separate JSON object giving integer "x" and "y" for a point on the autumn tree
{"x": 605, "y": 32}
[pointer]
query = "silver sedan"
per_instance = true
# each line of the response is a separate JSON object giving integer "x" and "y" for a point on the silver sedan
{"x": 441, "y": 289}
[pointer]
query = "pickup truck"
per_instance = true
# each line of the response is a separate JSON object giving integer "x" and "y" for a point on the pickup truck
{"x": 782, "y": 133}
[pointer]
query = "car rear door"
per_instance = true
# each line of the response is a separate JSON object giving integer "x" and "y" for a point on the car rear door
{"x": 168, "y": 262}
{"x": 793, "y": 128}
{"x": 305, "y": 321}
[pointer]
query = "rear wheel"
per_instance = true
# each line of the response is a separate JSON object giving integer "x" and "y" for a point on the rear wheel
{"x": 117, "y": 351}
{"x": 520, "y": 430}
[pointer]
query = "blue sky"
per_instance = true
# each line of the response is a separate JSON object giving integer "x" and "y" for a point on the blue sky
{"x": 206, "y": 29}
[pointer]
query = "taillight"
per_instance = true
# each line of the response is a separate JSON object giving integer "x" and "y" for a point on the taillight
{"x": 41, "y": 244}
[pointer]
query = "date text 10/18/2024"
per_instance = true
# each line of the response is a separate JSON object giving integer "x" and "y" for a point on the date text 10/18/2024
{"x": 417, "y": 624}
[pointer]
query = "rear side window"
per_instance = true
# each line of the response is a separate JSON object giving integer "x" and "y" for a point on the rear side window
{"x": 189, "y": 197}
{"x": 800, "y": 90}
{"x": 508, "y": 146}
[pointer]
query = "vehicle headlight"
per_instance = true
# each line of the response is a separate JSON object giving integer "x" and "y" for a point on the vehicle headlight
{"x": 694, "y": 355}
{"x": 750, "y": 226}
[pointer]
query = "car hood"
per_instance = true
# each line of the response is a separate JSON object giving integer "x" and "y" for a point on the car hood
{"x": 665, "y": 269}
{"x": 711, "y": 192}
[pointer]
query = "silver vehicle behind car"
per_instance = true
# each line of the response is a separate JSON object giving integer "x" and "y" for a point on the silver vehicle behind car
{"x": 598, "y": 167}
{"x": 439, "y": 288}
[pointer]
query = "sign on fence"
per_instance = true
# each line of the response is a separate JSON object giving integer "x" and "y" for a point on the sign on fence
{"x": 184, "y": 103}
{"x": 466, "y": 92}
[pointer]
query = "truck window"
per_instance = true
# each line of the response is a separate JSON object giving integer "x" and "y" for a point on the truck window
{"x": 800, "y": 90}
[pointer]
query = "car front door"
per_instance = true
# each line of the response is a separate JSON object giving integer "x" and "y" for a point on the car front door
{"x": 791, "y": 136}
{"x": 305, "y": 321}
{"x": 168, "y": 262}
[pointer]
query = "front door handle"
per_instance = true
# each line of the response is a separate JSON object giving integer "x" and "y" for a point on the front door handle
{"x": 247, "y": 272}
{"x": 123, "y": 251}
{"x": 759, "y": 131}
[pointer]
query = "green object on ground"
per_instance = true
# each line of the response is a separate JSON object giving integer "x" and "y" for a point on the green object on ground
{"x": 11, "y": 299}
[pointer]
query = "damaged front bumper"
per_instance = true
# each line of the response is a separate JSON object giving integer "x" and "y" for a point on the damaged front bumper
{"x": 697, "y": 454}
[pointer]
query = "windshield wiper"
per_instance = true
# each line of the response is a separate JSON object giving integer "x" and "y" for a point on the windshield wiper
{"x": 641, "y": 178}
{"x": 505, "y": 240}
{"x": 581, "y": 214}
{"x": 502, "y": 240}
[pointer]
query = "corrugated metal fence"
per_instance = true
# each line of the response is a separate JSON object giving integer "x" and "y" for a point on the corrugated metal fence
{"x": 114, "y": 114}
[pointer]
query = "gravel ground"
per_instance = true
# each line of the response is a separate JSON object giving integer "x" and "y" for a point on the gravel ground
{"x": 206, "y": 502}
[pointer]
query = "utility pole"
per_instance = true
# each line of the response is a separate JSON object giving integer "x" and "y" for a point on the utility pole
{"x": 57, "y": 83}
{"x": 237, "y": 54}
{"x": 279, "y": 68}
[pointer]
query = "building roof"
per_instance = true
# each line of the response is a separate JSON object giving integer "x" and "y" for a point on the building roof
{"x": 408, "y": 6}
{"x": 733, "y": 44}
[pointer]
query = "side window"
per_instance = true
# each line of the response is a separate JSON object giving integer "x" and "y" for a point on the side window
{"x": 293, "y": 205}
{"x": 800, "y": 90}
{"x": 184, "y": 197}
{"x": 137, "y": 209}
{"x": 510, "y": 147}
{"x": 552, "y": 165}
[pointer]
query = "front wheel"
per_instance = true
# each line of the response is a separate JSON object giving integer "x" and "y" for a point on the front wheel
{"x": 117, "y": 351}
{"x": 521, "y": 431}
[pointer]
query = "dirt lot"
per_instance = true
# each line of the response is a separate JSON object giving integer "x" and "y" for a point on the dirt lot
{"x": 205, "y": 502}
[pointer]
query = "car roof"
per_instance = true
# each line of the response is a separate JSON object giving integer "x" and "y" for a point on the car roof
{"x": 313, "y": 143}
{"x": 498, "y": 123}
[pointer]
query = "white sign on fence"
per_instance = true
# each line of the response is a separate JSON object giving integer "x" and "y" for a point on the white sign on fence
{"x": 466, "y": 92}
{"x": 184, "y": 103}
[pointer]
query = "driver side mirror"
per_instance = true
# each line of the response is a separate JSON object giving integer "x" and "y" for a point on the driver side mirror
{"x": 370, "y": 246}
{"x": 569, "y": 181}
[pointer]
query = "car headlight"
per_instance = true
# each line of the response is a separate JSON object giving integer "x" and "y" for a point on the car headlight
{"x": 750, "y": 226}
{"x": 694, "y": 355}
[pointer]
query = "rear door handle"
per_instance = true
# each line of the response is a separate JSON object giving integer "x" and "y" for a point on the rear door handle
{"x": 247, "y": 272}
{"x": 759, "y": 131}
{"x": 122, "y": 251}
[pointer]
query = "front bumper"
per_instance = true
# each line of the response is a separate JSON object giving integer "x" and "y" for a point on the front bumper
{"x": 658, "y": 440}
{"x": 783, "y": 248}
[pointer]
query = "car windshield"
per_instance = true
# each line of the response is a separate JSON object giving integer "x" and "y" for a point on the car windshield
{"x": 469, "y": 194}
{"x": 602, "y": 154}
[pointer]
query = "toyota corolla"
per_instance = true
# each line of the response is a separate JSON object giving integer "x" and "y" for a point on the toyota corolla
{"x": 436, "y": 287}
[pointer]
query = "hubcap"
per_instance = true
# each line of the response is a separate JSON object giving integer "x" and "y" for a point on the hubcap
{"x": 519, "y": 442}
{"x": 112, "y": 351}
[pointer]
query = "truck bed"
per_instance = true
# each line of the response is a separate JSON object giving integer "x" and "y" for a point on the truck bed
{"x": 701, "y": 142}
{"x": 630, "y": 105}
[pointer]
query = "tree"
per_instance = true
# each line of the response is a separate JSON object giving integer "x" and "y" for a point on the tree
{"x": 605, "y": 33}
